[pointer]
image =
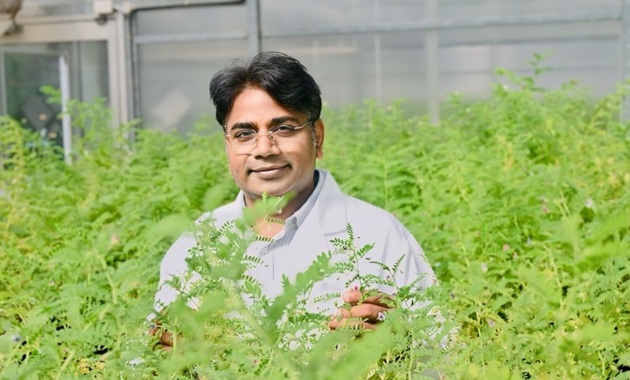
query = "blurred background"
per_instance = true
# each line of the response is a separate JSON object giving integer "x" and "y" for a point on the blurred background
{"x": 153, "y": 59}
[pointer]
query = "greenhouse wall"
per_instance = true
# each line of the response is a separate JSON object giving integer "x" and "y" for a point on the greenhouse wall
{"x": 153, "y": 59}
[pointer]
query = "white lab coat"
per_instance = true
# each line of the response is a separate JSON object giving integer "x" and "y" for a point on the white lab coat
{"x": 331, "y": 212}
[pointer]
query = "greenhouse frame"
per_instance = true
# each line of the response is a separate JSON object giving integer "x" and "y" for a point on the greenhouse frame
{"x": 153, "y": 59}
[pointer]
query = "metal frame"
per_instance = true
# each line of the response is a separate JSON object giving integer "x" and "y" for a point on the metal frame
{"x": 3, "y": 78}
{"x": 120, "y": 32}
{"x": 66, "y": 122}
{"x": 64, "y": 80}
{"x": 433, "y": 71}
{"x": 255, "y": 27}
{"x": 624, "y": 46}
{"x": 430, "y": 27}
{"x": 81, "y": 28}
{"x": 253, "y": 35}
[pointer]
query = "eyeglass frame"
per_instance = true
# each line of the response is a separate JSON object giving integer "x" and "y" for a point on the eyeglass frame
{"x": 269, "y": 133}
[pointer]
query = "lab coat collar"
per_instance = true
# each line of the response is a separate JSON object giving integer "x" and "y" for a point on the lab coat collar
{"x": 329, "y": 209}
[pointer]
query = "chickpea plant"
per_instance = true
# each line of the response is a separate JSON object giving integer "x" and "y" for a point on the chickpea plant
{"x": 521, "y": 203}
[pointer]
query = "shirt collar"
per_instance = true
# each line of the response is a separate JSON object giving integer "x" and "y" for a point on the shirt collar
{"x": 303, "y": 211}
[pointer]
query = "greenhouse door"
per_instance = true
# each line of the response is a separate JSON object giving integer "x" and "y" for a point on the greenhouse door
{"x": 82, "y": 60}
{"x": 25, "y": 72}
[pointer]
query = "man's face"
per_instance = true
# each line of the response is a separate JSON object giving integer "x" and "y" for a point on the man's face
{"x": 275, "y": 167}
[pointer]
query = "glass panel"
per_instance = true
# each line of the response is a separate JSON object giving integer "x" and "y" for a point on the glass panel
{"x": 39, "y": 8}
{"x": 282, "y": 15}
{"x": 26, "y": 72}
{"x": 91, "y": 68}
{"x": 68, "y": 7}
{"x": 351, "y": 68}
{"x": 29, "y": 67}
{"x": 586, "y": 53}
{"x": 153, "y": 3}
{"x": 174, "y": 81}
{"x": 296, "y": 14}
{"x": 198, "y": 19}
{"x": 463, "y": 9}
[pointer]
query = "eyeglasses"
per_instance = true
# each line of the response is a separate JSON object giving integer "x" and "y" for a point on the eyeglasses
{"x": 244, "y": 140}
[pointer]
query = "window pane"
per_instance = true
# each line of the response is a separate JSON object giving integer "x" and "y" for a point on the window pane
{"x": 587, "y": 53}
{"x": 29, "y": 67}
{"x": 174, "y": 81}
{"x": 351, "y": 68}
{"x": 282, "y": 15}
{"x": 197, "y": 19}
{"x": 56, "y": 7}
{"x": 463, "y": 9}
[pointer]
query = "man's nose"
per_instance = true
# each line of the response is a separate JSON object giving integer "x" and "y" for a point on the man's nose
{"x": 265, "y": 145}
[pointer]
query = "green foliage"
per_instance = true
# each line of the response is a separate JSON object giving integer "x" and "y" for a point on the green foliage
{"x": 521, "y": 202}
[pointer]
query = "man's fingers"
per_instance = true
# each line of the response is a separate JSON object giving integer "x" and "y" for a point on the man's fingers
{"x": 365, "y": 311}
{"x": 354, "y": 296}
{"x": 369, "y": 312}
{"x": 382, "y": 300}
{"x": 351, "y": 296}
{"x": 166, "y": 338}
{"x": 350, "y": 323}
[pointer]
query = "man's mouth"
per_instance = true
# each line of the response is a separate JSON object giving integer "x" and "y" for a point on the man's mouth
{"x": 269, "y": 172}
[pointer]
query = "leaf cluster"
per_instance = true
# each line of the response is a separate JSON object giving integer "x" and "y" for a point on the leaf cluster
{"x": 521, "y": 203}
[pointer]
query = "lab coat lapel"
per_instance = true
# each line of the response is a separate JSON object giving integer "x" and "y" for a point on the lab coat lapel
{"x": 331, "y": 212}
{"x": 325, "y": 220}
{"x": 328, "y": 220}
{"x": 332, "y": 207}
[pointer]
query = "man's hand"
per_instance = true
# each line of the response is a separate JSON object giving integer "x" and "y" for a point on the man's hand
{"x": 363, "y": 313}
{"x": 166, "y": 338}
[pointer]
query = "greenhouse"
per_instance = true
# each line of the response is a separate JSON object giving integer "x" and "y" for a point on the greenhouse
{"x": 146, "y": 56}
{"x": 486, "y": 142}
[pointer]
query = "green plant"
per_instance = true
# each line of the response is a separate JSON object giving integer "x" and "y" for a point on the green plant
{"x": 521, "y": 203}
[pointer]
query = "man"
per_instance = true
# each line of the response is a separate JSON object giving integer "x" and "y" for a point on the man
{"x": 270, "y": 113}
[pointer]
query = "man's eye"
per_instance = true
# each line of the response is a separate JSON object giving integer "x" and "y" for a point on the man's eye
{"x": 244, "y": 134}
{"x": 283, "y": 129}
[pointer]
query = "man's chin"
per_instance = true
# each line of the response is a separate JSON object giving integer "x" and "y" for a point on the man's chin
{"x": 273, "y": 191}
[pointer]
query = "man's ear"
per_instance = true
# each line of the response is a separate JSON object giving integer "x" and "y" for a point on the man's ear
{"x": 319, "y": 138}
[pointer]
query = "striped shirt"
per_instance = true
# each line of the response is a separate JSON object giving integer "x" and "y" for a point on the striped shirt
{"x": 260, "y": 248}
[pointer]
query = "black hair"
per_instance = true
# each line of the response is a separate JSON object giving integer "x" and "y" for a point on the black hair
{"x": 283, "y": 77}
